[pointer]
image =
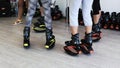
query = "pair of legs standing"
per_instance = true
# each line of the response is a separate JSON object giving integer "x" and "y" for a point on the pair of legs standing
{"x": 86, "y": 43}
{"x": 50, "y": 38}
{"x": 74, "y": 46}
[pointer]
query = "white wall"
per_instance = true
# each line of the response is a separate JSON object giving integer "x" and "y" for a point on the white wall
{"x": 62, "y": 5}
{"x": 106, "y": 5}
{"x": 110, "y": 5}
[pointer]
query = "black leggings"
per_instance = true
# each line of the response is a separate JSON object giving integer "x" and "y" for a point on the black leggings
{"x": 96, "y": 7}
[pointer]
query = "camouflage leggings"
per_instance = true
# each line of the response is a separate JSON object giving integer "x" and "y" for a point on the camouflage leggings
{"x": 47, "y": 12}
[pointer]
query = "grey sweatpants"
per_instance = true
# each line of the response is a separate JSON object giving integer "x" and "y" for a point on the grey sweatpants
{"x": 47, "y": 12}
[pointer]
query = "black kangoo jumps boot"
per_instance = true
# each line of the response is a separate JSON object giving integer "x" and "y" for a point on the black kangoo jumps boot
{"x": 96, "y": 32}
{"x": 40, "y": 25}
{"x": 26, "y": 42}
{"x": 86, "y": 44}
{"x": 50, "y": 39}
{"x": 73, "y": 47}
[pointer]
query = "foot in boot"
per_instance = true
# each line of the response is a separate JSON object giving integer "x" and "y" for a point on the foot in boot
{"x": 96, "y": 33}
{"x": 73, "y": 47}
{"x": 86, "y": 44}
{"x": 50, "y": 39}
{"x": 40, "y": 25}
{"x": 26, "y": 42}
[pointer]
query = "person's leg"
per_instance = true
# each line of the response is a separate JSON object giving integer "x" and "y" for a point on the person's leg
{"x": 20, "y": 12}
{"x": 96, "y": 11}
{"x": 96, "y": 20}
{"x": 47, "y": 13}
{"x": 39, "y": 26}
{"x": 20, "y": 9}
{"x": 41, "y": 8}
{"x": 50, "y": 38}
{"x": 73, "y": 47}
{"x": 86, "y": 9}
{"x": 27, "y": 3}
{"x": 74, "y": 7}
{"x": 87, "y": 41}
{"x": 26, "y": 31}
{"x": 31, "y": 12}
{"x": 41, "y": 11}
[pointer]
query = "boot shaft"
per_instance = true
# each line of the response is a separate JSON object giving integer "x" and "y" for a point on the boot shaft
{"x": 96, "y": 28}
{"x": 49, "y": 34}
{"x": 88, "y": 38}
{"x": 75, "y": 39}
{"x": 26, "y": 31}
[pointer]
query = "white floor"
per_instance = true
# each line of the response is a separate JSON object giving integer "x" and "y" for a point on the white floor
{"x": 13, "y": 55}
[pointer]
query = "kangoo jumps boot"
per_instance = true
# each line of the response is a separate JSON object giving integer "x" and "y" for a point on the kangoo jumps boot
{"x": 50, "y": 39}
{"x": 73, "y": 47}
{"x": 39, "y": 26}
{"x": 26, "y": 34}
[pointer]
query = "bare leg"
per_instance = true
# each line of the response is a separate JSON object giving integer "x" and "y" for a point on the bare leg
{"x": 20, "y": 12}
